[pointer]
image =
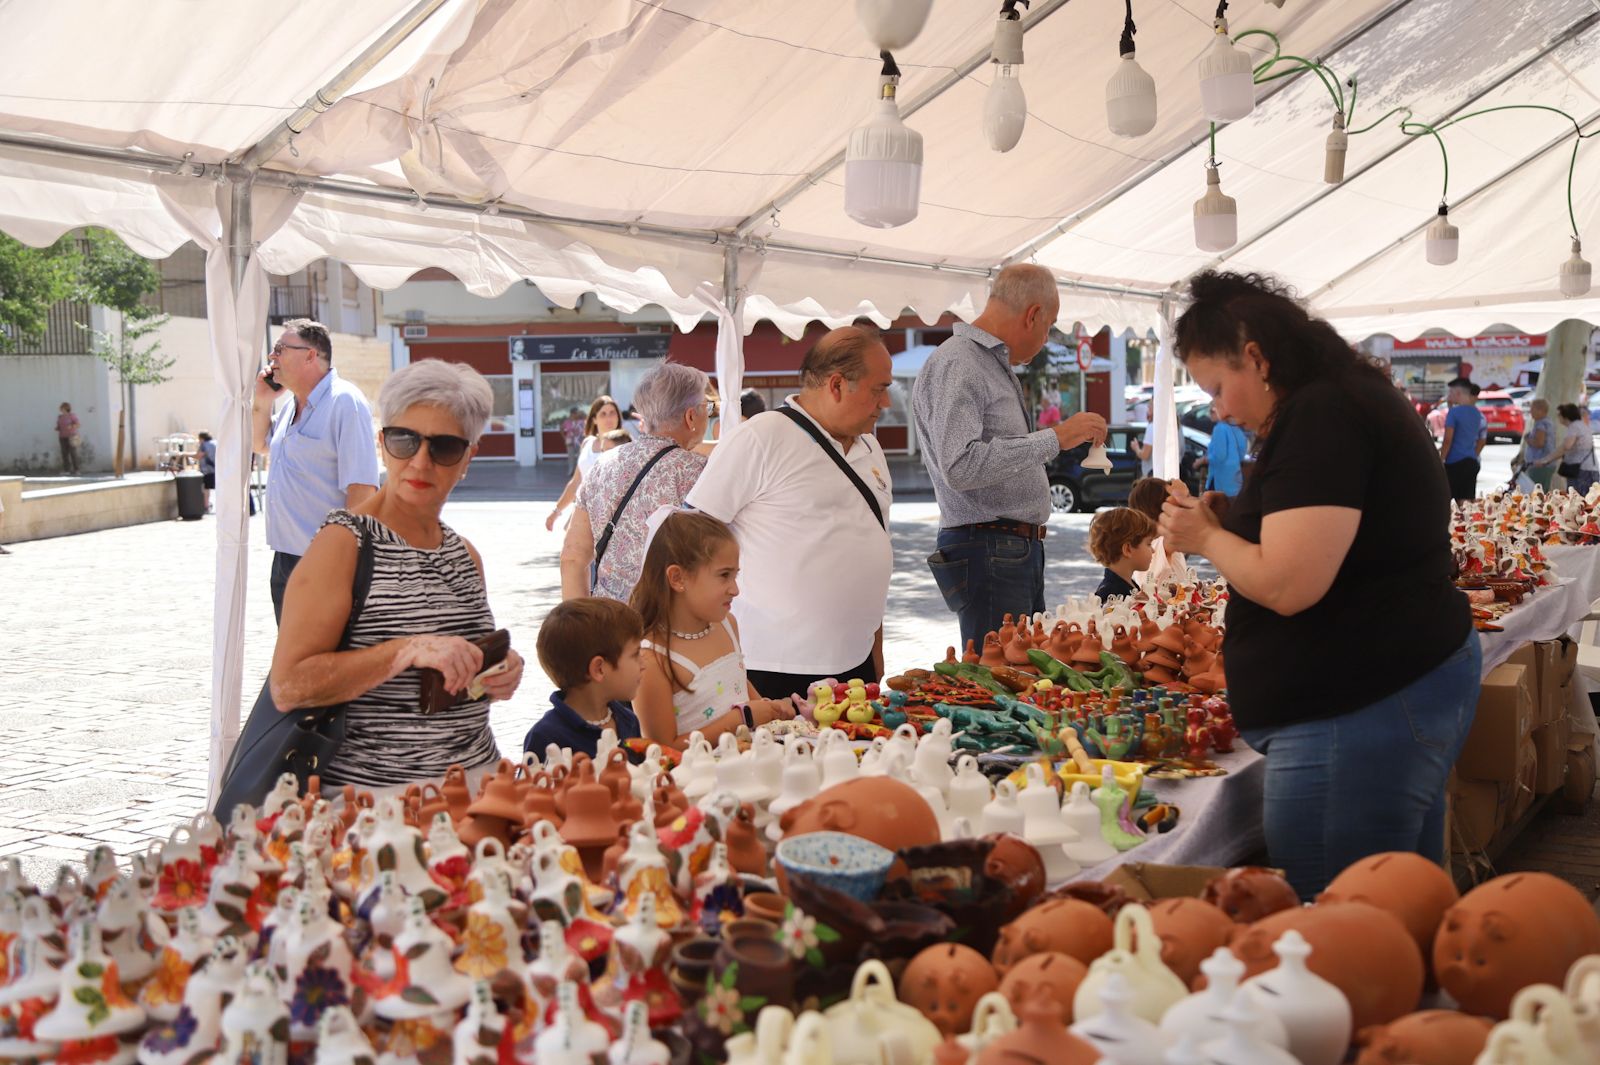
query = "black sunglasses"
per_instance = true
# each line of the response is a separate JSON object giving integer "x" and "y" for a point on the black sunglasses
{"x": 444, "y": 449}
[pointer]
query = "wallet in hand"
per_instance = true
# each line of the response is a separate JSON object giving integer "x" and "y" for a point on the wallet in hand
{"x": 435, "y": 698}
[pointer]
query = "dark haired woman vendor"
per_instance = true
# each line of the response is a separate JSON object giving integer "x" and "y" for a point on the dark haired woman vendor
{"x": 1351, "y": 659}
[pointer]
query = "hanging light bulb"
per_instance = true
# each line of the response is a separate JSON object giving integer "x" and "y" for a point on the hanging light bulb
{"x": 892, "y": 24}
{"x": 1216, "y": 217}
{"x": 883, "y": 162}
{"x": 1006, "y": 108}
{"x": 1131, "y": 92}
{"x": 1334, "y": 151}
{"x": 1575, "y": 272}
{"x": 1443, "y": 240}
{"x": 1227, "y": 77}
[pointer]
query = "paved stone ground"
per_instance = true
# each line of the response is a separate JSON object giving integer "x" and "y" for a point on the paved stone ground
{"x": 106, "y": 676}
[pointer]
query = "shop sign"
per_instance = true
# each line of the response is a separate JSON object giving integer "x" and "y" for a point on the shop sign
{"x": 1493, "y": 342}
{"x": 593, "y": 348}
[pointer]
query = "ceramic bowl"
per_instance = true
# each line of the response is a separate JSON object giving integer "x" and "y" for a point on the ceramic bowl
{"x": 847, "y": 864}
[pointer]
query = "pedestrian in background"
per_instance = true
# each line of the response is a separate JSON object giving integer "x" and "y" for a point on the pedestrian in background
{"x": 1464, "y": 433}
{"x": 1050, "y": 413}
{"x": 208, "y": 467}
{"x": 1225, "y": 459}
{"x": 604, "y": 417}
{"x": 67, "y": 433}
{"x": 573, "y": 434}
{"x": 1576, "y": 450}
{"x": 1538, "y": 444}
{"x": 750, "y": 404}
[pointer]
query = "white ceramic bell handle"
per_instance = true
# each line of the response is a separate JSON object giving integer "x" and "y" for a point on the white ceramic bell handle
{"x": 1133, "y": 922}
{"x": 1583, "y": 983}
{"x": 810, "y": 1043}
{"x": 961, "y": 828}
{"x": 872, "y": 981}
{"x": 1005, "y": 792}
{"x": 1513, "y": 1043}
{"x": 992, "y": 1017}
{"x": 774, "y": 1031}
{"x": 797, "y": 750}
{"x": 1034, "y": 775}
{"x": 906, "y": 730}
{"x": 1546, "y": 1008}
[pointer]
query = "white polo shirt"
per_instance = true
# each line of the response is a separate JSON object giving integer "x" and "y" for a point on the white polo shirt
{"x": 814, "y": 563}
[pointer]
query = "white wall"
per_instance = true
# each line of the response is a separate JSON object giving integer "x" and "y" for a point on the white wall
{"x": 32, "y": 388}
{"x": 449, "y": 301}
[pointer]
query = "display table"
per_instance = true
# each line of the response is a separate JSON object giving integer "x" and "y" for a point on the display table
{"x": 1219, "y": 818}
{"x": 1545, "y": 615}
{"x": 1581, "y": 565}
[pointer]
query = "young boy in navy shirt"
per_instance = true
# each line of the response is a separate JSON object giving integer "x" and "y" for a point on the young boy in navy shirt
{"x": 1120, "y": 540}
{"x": 589, "y": 648}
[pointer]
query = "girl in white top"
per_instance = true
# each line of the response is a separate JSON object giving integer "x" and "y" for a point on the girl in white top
{"x": 604, "y": 416}
{"x": 694, "y": 678}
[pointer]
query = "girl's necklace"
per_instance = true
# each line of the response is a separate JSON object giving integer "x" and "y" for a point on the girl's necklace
{"x": 702, "y": 634}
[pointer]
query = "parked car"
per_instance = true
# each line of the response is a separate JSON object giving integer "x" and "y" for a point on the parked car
{"x": 1503, "y": 415}
{"x": 1073, "y": 488}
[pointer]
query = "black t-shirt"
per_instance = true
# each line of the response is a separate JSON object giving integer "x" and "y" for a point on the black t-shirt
{"x": 1392, "y": 613}
{"x": 1112, "y": 584}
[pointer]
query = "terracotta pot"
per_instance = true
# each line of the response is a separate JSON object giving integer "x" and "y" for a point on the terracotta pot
{"x": 886, "y": 811}
{"x": 1060, "y": 973}
{"x": 748, "y": 927}
{"x": 765, "y": 906}
{"x": 1526, "y": 928}
{"x": 589, "y": 822}
{"x": 1190, "y": 930}
{"x": 1432, "y": 1037}
{"x": 1065, "y": 926}
{"x": 1042, "y": 1037}
{"x": 745, "y": 852}
{"x": 691, "y": 961}
{"x": 1250, "y": 893}
{"x": 615, "y": 775}
{"x": 1107, "y": 898}
{"x": 1017, "y": 863}
{"x": 945, "y": 982}
{"x": 1061, "y": 645}
{"x": 908, "y": 929}
{"x": 764, "y": 968}
{"x": 1363, "y": 951}
{"x": 993, "y": 652}
{"x": 1409, "y": 886}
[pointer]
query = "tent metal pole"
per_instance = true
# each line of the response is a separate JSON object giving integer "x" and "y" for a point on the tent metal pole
{"x": 950, "y": 80}
{"x": 239, "y": 230}
{"x": 730, "y": 276}
{"x": 1060, "y": 228}
{"x": 329, "y": 94}
{"x": 1559, "y": 142}
{"x": 1567, "y": 36}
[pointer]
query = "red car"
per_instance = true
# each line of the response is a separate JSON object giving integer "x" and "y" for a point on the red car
{"x": 1503, "y": 415}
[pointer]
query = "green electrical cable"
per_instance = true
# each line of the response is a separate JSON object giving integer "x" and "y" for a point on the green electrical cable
{"x": 1348, "y": 115}
{"x": 1444, "y": 196}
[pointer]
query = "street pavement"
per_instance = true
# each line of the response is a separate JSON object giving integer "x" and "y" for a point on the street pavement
{"x": 106, "y": 683}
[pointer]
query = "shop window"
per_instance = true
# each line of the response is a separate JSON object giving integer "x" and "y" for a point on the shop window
{"x": 504, "y": 416}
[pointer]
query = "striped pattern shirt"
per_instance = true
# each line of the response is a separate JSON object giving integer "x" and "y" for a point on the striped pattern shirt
{"x": 415, "y": 592}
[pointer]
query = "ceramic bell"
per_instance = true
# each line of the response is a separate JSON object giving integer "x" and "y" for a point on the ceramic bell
{"x": 802, "y": 779}
{"x": 969, "y": 791}
{"x": 764, "y": 1045}
{"x": 476, "y": 1039}
{"x": 1201, "y": 1014}
{"x": 1042, "y": 825}
{"x": 197, "y": 1027}
{"x": 554, "y": 965}
{"x": 696, "y": 774}
{"x": 992, "y": 1018}
{"x": 931, "y": 766}
{"x": 643, "y": 871}
{"x": 340, "y": 1040}
{"x": 33, "y": 983}
{"x": 162, "y": 994}
{"x": 184, "y": 878}
{"x": 571, "y": 1039}
{"x": 718, "y": 893}
{"x": 1241, "y": 1046}
{"x": 449, "y": 860}
{"x": 425, "y": 983}
{"x": 255, "y": 1029}
{"x": 1152, "y": 986}
{"x": 1117, "y": 1033}
{"x": 839, "y": 763}
{"x": 636, "y": 1046}
{"x": 637, "y": 970}
{"x": 492, "y": 942}
{"x": 1002, "y": 814}
{"x": 1080, "y": 814}
{"x": 395, "y": 845}
{"x": 1097, "y": 459}
{"x": 132, "y": 935}
{"x": 872, "y": 1022}
{"x": 1315, "y": 1014}
{"x": 232, "y": 903}
{"x": 319, "y": 969}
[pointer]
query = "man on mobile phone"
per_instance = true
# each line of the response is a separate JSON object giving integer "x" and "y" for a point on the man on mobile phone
{"x": 320, "y": 445}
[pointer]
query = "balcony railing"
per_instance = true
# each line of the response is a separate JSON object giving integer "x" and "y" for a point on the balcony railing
{"x": 291, "y": 301}
{"x": 67, "y": 331}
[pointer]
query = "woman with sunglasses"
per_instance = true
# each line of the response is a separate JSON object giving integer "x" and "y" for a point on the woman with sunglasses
{"x": 427, "y": 599}
{"x": 604, "y": 417}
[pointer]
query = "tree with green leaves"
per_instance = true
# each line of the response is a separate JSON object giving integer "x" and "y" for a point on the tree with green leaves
{"x": 31, "y": 281}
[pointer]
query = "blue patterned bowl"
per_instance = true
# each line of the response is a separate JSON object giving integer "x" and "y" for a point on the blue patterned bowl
{"x": 849, "y": 864}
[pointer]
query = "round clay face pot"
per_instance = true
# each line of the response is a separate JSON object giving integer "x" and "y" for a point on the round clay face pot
{"x": 891, "y": 814}
{"x": 1250, "y": 893}
{"x": 1526, "y": 928}
{"x": 1065, "y": 926}
{"x": 1432, "y": 1037}
{"x": 1190, "y": 930}
{"x": 1363, "y": 951}
{"x": 1014, "y": 861}
{"x": 1409, "y": 886}
{"x": 1108, "y": 898}
{"x": 945, "y": 982}
{"x": 1060, "y": 973}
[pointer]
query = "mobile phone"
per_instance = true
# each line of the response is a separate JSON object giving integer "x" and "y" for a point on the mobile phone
{"x": 272, "y": 381}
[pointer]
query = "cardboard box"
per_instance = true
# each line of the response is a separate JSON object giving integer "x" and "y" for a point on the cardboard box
{"x": 1503, "y": 721}
{"x": 1476, "y": 807}
{"x": 1551, "y": 664}
{"x": 1579, "y": 786}
{"x": 1149, "y": 881}
{"x": 1524, "y": 788}
{"x": 1550, "y": 743}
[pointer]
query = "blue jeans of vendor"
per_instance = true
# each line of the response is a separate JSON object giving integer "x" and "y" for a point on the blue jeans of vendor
{"x": 987, "y": 573}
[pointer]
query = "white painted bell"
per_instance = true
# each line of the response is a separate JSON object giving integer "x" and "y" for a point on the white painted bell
{"x": 35, "y": 965}
{"x": 1002, "y": 814}
{"x": 554, "y": 965}
{"x": 1080, "y": 814}
{"x": 476, "y": 1036}
{"x": 253, "y": 1020}
{"x": 340, "y": 1040}
{"x": 220, "y": 976}
{"x": 434, "y": 985}
{"x": 637, "y": 1046}
{"x": 838, "y": 760}
{"x": 1119, "y": 1035}
{"x": 1097, "y": 459}
{"x": 1241, "y": 1046}
{"x": 133, "y": 936}
{"x": 90, "y": 1002}
{"x": 572, "y": 1039}
{"x": 320, "y": 965}
{"x": 1043, "y": 828}
{"x": 802, "y": 778}
{"x": 1314, "y": 1012}
{"x": 969, "y": 790}
{"x": 1201, "y": 1014}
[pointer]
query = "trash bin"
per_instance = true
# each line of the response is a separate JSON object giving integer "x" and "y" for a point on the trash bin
{"x": 191, "y": 495}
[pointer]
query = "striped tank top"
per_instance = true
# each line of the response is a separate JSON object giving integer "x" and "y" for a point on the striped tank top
{"x": 415, "y": 592}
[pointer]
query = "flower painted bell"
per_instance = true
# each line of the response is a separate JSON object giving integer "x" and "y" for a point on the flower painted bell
{"x": 340, "y": 1040}
{"x": 637, "y": 1046}
{"x": 255, "y": 1025}
{"x": 196, "y": 1028}
{"x": 637, "y": 968}
{"x": 718, "y": 893}
{"x": 162, "y": 994}
{"x": 319, "y": 969}
{"x": 489, "y": 860}
{"x": 90, "y": 1003}
{"x": 277, "y": 929}
{"x": 32, "y": 985}
{"x": 131, "y": 934}
{"x": 492, "y": 942}
{"x": 101, "y": 864}
{"x": 477, "y": 1038}
{"x": 395, "y": 845}
{"x": 572, "y": 1038}
{"x": 232, "y": 905}
{"x": 554, "y": 965}
{"x": 424, "y": 983}
{"x": 643, "y": 871}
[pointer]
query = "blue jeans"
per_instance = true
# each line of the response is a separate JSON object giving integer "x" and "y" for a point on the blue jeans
{"x": 1341, "y": 788}
{"x": 985, "y": 574}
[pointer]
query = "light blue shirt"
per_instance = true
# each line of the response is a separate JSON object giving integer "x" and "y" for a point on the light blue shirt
{"x": 1225, "y": 459}
{"x": 1469, "y": 424}
{"x": 315, "y": 460}
{"x": 1534, "y": 454}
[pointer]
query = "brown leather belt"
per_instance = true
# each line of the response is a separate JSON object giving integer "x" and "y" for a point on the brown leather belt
{"x": 1015, "y": 528}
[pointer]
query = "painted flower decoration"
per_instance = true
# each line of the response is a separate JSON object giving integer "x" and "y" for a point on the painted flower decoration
{"x": 318, "y": 990}
{"x": 720, "y": 1009}
{"x": 183, "y": 882}
{"x": 166, "y": 984}
{"x": 802, "y": 935}
{"x": 174, "y": 1036}
{"x": 409, "y": 1038}
{"x": 484, "y": 947}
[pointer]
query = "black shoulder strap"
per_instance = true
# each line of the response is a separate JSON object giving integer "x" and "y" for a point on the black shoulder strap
{"x": 838, "y": 460}
{"x": 363, "y": 580}
{"x": 627, "y": 497}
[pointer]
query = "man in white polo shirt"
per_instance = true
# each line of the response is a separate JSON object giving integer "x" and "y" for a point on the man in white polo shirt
{"x": 814, "y": 552}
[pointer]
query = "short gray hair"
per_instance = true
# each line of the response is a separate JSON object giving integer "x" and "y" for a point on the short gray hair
{"x": 667, "y": 392}
{"x": 1021, "y": 285}
{"x": 841, "y": 351}
{"x": 450, "y": 386}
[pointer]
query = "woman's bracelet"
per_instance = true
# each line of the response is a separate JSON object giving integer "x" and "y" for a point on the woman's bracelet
{"x": 749, "y": 717}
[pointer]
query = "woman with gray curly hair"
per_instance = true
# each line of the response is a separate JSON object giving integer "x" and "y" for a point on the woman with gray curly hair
{"x": 604, "y": 549}
{"x": 425, "y": 604}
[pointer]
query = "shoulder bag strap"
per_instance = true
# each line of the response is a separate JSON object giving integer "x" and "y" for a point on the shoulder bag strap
{"x": 616, "y": 515}
{"x": 365, "y": 553}
{"x": 838, "y": 460}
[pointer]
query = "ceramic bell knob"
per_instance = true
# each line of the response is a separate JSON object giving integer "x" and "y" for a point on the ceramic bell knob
{"x": 636, "y": 1046}
{"x": 1117, "y": 1033}
{"x": 1314, "y": 1012}
{"x": 1200, "y": 1015}
{"x": 1002, "y": 814}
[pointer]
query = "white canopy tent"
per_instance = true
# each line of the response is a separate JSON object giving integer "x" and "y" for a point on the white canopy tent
{"x": 689, "y": 153}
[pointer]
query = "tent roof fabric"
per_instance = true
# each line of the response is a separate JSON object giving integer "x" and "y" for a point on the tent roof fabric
{"x": 687, "y": 120}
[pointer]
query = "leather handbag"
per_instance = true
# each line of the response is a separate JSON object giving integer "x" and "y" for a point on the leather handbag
{"x": 433, "y": 696}
{"x": 301, "y": 741}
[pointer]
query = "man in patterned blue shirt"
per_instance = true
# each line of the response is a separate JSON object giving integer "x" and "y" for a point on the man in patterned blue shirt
{"x": 985, "y": 457}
